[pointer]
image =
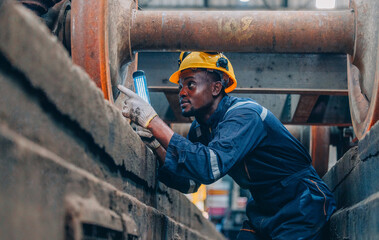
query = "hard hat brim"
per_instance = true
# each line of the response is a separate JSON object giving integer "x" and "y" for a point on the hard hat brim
{"x": 174, "y": 78}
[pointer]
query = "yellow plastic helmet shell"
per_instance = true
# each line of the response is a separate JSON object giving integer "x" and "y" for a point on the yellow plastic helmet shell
{"x": 193, "y": 60}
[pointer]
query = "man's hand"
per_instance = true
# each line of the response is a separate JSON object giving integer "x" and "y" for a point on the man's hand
{"x": 148, "y": 138}
{"x": 136, "y": 109}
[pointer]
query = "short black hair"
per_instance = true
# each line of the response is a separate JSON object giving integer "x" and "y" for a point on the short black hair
{"x": 216, "y": 76}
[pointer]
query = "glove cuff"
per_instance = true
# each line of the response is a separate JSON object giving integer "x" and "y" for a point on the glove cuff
{"x": 155, "y": 145}
{"x": 149, "y": 120}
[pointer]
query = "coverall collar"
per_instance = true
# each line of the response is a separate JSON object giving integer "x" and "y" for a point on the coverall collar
{"x": 219, "y": 113}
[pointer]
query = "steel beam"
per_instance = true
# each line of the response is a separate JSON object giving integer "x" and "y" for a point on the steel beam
{"x": 304, "y": 108}
{"x": 311, "y": 92}
{"x": 259, "y": 70}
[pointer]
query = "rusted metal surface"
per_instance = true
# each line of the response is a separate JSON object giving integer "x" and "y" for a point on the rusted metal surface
{"x": 100, "y": 42}
{"x": 89, "y": 41}
{"x": 304, "y": 108}
{"x": 244, "y": 31}
{"x": 120, "y": 54}
{"x": 363, "y": 68}
{"x": 320, "y": 140}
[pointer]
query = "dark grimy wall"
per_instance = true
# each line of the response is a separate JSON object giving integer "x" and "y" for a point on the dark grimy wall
{"x": 354, "y": 183}
{"x": 70, "y": 164}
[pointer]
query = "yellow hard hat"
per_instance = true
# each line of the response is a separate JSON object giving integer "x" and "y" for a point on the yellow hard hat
{"x": 216, "y": 61}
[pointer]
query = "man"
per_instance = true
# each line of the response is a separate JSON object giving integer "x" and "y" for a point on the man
{"x": 239, "y": 137}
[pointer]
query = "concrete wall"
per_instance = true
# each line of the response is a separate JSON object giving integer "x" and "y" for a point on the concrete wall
{"x": 354, "y": 181}
{"x": 70, "y": 164}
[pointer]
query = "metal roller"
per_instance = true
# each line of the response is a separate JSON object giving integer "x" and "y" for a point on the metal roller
{"x": 244, "y": 31}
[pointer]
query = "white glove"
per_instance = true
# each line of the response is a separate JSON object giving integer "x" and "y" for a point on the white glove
{"x": 136, "y": 109}
{"x": 148, "y": 138}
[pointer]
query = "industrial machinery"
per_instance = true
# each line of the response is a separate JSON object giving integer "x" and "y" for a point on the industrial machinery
{"x": 104, "y": 37}
{"x": 118, "y": 30}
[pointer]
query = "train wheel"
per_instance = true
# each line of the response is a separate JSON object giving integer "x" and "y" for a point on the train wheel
{"x": 99, "y": 41}
{"x": 363, "y": 68}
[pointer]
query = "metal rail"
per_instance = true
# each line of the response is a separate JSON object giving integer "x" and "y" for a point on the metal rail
{"x": 334, "y": 92}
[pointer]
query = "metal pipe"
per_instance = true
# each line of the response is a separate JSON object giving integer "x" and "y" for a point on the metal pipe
{"x": 244, "y": 31}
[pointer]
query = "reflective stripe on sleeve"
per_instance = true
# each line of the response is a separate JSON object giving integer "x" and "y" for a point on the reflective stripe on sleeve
{"x": 239, "y": 104}
{"x": 263, "y": 113}
{"x": 214, "y": 164}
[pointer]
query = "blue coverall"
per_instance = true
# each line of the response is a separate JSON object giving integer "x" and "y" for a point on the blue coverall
{"x": 246, "y": 141}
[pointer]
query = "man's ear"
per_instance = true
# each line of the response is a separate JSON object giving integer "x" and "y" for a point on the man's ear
{"x": 216, "y": 88}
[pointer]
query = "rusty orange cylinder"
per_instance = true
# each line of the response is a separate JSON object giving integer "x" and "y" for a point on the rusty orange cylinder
{"x": 320, "y": 141}
{"x": 244, "y": 31}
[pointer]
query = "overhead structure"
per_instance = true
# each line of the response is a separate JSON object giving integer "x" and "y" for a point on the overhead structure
{"x": 118, "y": 30}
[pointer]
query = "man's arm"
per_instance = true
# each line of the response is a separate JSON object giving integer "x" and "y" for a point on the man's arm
{"x": 160, "y": 141}
{"x": 178, "y": 182}
{"x": 161, "y": 131}
{"x": 144, "y": 115}
{"x": 240, "y": 132}
{"x": 161, "y": 152}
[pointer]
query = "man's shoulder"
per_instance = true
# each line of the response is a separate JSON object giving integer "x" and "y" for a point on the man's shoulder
{"x": 246, "y": 107}
{"x": 237, "y": 103}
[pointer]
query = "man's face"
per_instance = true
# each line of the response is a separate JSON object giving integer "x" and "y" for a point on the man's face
{"x": 195, "y": 92}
